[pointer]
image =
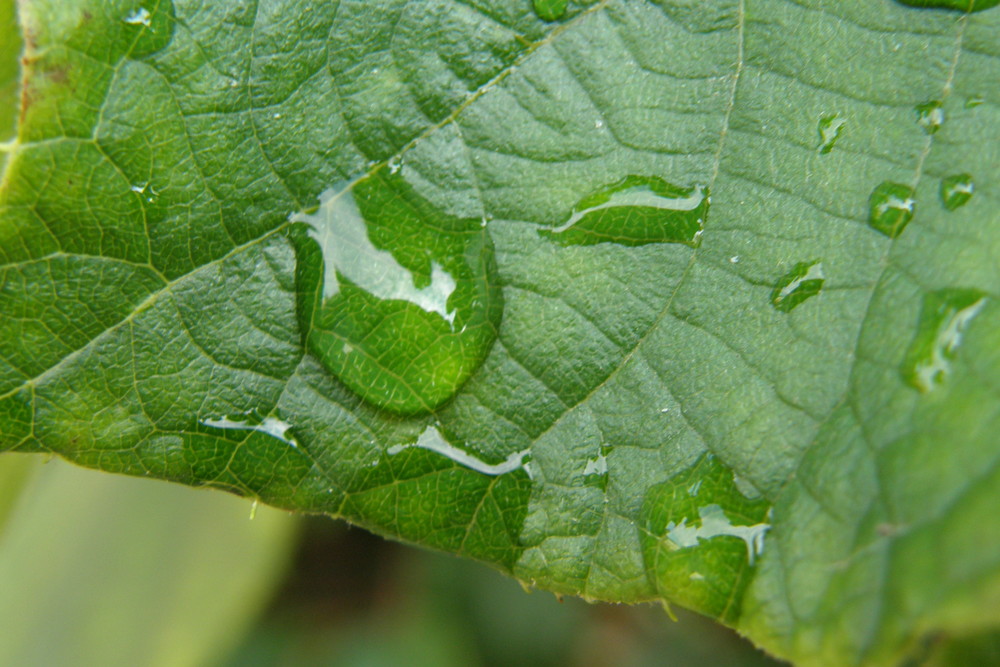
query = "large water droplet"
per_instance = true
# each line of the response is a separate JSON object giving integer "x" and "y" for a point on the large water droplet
{"x": 958, "y": 5}
{"x": 956, "y": 191}
{"x": 636, "y": 210}
{"x": 550, "y": 10}
{"x": 891, "y": 207}
{"x": 400, "y": 299}
{"x": 803, "y": 282}
{"x": 930, "y": 116}
{"x": 830, "y": 127}
{"x": 943, "y": 319}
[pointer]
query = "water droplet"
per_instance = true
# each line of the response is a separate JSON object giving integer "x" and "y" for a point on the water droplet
{"x": 930, "y": 116}
{"x": 943, "y": 319}
{"x": 598, "y": 124}
{"x": 595, "y": 473}
{"x": 956, "y": 191}
{"x": 974, "y": 101}
{"x": 411, "y": 291}
{"x": 958, "y": 5}
{"x": 746, "y": 487}
{"x": 276, "y": 116}
{"x": 803, "y": 282}
{"x": 249, "y": 421}
{"x": 891, "y": 207}
{"x": 550, "y": 10}
{"x": 139, "y": 16}
{"x": 395, "y": 163}
{"x": 636, "y": 210}
{"x": 696, "y": 576}
{"x": 432, "y": 440}
{"x": 830, "y": 127}
{"x": 735, "y": 259}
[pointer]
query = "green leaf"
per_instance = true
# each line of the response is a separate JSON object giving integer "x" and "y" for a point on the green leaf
{"x": 110, "y": 571}
{"x": 781, "y": 413}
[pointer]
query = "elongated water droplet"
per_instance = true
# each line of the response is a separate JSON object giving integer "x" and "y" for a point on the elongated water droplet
{"x": 891, "y": 207}
{"x": 943, "y": 319}
{"x": 432, "y": 440}
{"x": 957, "y": 5}
{"x": 636, "y": 210}
{"x": 830, "y": 127}
{"x": 250, "y": 421}
{"x": 974, "y": 101}
{"x": 550, "y": 10}
{"x": 930, "y": 116}
{"x": 803, "y": 282}
{"x": 956, "y": 191}
{"x": 399, "y": 298}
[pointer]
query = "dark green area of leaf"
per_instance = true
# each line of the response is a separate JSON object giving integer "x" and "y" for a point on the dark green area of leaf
{"x": 958, "y": 5}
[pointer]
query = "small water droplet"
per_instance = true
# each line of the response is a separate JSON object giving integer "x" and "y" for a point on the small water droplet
{"x": 956, "y": 191}
{"x": 139, "y": 16}
{"x": 410, "y": 289}
{"x": 830, "y": 127}
{"x": 550, "y": 10}
{"x": 930, "y": 116}
{"x": 974, "y": 101}
{"x": 395, "y": 163}
{"x": 276, "y": 116}
{"x": 943, "y": 318}
{"x": 598, "y": 124}
{"x": 891, "y": 207}
{"x": 735, "y": 259}
{"x": 697, "y": 576}
{"x": 636, "y": 210}
{"x": 803, "y": 282}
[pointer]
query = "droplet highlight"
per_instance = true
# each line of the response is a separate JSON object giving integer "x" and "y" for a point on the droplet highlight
{"x": 891, "y": 207}
{"x": 930, "y": 116}
{"x": 550, "y": 10}
{"x": 637, "y": 210}
{"x": 714, "y": 523}
{"x": 400, "y": 300}
{"x": 803, "y": 282}
{"x": 830, "y": 127}
{"x": 956, "y": 191}
{"x": 944, "y": 317}
{"x": 140, "y": 16}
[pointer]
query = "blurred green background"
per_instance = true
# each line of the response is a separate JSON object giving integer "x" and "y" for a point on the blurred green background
{"x": 102, "y": 570}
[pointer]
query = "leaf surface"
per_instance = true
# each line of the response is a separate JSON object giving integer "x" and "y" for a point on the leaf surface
{"x": 784, "y": 417}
